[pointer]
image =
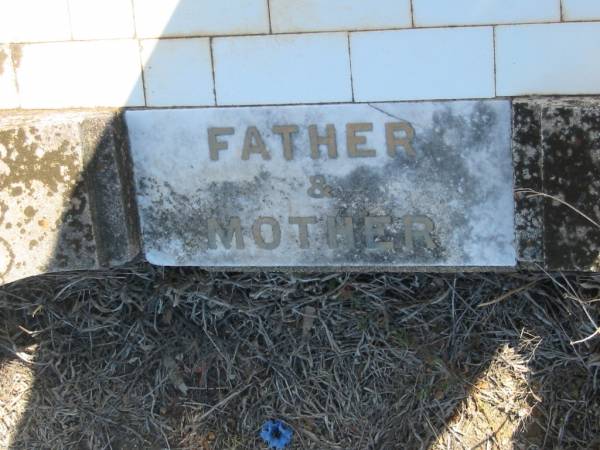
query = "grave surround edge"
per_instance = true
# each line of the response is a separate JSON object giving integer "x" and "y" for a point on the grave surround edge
{"x": 541, "y": 127}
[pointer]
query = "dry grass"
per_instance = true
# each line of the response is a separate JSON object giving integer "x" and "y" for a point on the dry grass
{"x": 150, "y": 358}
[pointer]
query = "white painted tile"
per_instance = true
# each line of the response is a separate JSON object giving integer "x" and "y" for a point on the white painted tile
{"x": 483, "y": 12}
{"x": 178, "y": 72}
{"x": 101, "y": 19}
{"x": 548, "y": 59}
{"x": 333, "y": 15}
{"x": 8, "y": 87}
{"x": 581, "y": 9}
{"x": 80, "y": 74}
{"x": 442, "y": 63}
{"x": 162, "y": 18}
{"x": 301, "y": 68}
{"x": 34, "y": 20}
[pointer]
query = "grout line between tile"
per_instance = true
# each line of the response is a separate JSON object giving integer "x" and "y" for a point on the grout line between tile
{"x": 135, "y": 30}
{"x": 412, "y": 14}
{"x": 562, "y": 15}
{"x": 13, "y": 67}
{"x": 325, "y": 103}
{"x": 142, "y": 70}
{"x": 68, "y": 3}
{"x": 351, "y": 74}
{"x": 212, "y": 66}
{"x": 495, "y": 69}
{"x": 358, "y": 30}
{"x": 140, "y": 48}
{"x": 269, "y": 14}
{"x": 509, "y": 98}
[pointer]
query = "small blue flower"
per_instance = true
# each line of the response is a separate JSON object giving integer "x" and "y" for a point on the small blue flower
{"x": 276, "y": 434}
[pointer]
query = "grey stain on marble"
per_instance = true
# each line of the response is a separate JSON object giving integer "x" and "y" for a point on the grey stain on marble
{"x": 175, "y": 216}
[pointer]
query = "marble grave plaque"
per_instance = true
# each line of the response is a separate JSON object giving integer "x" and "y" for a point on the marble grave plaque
{"x": 363, "y": 186}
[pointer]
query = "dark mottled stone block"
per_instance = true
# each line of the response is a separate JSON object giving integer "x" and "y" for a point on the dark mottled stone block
{"x": 571, "y": 147}
{"x": 65, "y": 196}
{"x": 527, "y": 160}
{"x": 557, "y": 179}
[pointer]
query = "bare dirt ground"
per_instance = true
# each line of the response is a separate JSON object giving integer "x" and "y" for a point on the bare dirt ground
{"x": 185, "y": 359}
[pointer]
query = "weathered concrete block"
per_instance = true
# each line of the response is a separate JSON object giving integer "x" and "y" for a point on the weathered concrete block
{"x": 65, "y": 198}
{"x": 557, "y": 161}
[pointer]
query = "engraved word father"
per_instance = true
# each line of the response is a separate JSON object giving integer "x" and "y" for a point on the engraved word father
{"x": 397, "y": 135}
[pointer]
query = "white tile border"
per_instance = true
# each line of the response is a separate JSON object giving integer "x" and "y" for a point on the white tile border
{"x": 196, "y": 18}
{"x": 423, "y": 64}
{"x": 109, "y": 19}
{"x": 282, "y": 69}
{"x": 567, "y": 67}
{"x": 581, "y": 10}
{"x": 34, "y": 21}
{"x": 440, "y": 13}
{"x": 80, "y": 74}
{"x": 548, "y": 59}
{"x": 178, "y": 72}
{"x": 292, "y": 16}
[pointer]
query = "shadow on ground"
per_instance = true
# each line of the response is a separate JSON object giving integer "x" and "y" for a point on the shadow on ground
{"x": 150, "y": 358}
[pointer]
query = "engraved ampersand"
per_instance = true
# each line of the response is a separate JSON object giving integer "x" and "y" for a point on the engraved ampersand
{"x": 319, "y": 187}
